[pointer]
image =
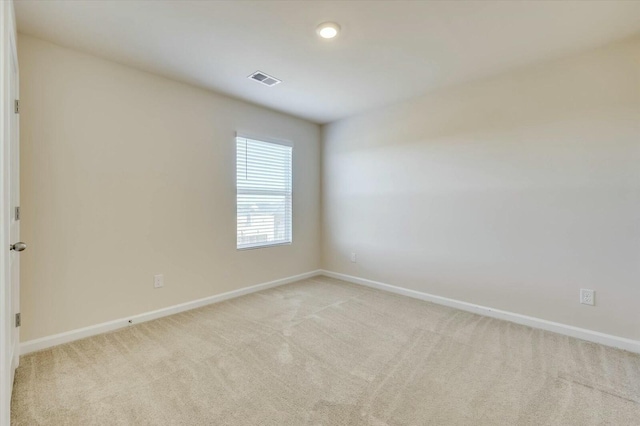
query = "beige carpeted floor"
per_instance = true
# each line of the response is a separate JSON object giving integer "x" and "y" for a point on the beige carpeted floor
{"x": 325, "y": 352}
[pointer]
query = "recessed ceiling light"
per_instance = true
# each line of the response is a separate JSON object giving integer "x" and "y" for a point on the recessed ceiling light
{"x": 328, "y": 30}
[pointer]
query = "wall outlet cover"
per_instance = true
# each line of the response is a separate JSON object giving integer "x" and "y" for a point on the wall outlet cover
{"x": 158, "y": 281}
{"x": 587, "y": 296}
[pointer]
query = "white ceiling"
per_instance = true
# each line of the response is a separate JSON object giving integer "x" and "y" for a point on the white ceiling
{"x": 387, "y": 51}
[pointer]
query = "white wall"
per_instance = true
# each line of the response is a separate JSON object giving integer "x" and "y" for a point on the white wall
{"x": 512, "y": 192}
{"x": 125, "y": 175}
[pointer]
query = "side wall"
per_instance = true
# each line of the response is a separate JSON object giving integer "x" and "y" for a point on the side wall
{"x": 512, "y": 192}
{"x": 126, "y": 174}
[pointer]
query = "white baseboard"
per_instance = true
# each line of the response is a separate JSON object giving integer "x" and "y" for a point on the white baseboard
{"x": 568, "y": 330}
{"x": 81, "y": 333}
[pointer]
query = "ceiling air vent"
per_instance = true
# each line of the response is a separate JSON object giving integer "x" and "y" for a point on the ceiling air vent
{"x": 265, "y": 79}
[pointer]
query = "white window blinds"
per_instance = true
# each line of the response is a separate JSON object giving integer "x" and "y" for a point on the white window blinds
{"x": 263, "y": 182}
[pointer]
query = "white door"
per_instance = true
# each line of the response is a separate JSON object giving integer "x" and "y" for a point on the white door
{"x": 9, "y": 200}
{"x": 14, "y": 195}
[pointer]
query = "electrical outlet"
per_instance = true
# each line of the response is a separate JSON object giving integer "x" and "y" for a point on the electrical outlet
{"x": 353, "y": 258}
{"x": 587, "y": 297}
{"x": 158, "y": 281}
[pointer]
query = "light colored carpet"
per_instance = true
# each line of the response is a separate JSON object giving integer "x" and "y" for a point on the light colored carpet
{"x": 325, "y": 352}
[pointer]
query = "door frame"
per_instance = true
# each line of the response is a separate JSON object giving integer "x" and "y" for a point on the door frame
{"x": 8, "y": 359}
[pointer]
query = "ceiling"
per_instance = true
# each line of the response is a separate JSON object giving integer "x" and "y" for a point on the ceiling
{"x": 387, "y": 50}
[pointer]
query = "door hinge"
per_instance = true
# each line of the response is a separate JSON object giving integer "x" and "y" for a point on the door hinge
{"x": 17, "y": 213}
{"x": 18, "y": 320}
{"x": 17, "y": 106}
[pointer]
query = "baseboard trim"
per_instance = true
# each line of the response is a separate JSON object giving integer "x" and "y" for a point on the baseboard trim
{"x": 80, "y": 333}
{"x": 568, "y": 330}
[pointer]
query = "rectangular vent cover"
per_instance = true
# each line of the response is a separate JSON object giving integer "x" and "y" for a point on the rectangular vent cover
{"x": 265, "y": 79}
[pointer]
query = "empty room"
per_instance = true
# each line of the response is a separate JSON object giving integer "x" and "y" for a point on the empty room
{"x": 319, "y": 212}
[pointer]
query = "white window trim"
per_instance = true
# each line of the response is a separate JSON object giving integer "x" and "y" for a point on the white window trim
{"x": 276, "y": 141}
{"x": 255, "y": 137}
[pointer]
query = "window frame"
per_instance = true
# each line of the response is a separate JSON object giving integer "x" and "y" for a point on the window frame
{"x": 274, "y": 141}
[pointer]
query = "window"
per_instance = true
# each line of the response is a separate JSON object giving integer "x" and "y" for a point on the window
{"x": 263, "y": 185}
